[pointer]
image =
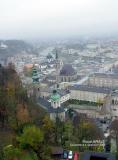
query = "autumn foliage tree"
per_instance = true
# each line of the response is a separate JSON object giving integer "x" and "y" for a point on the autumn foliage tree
{"x": 19, "y": 115}
{"x": 114, "y": 132}
{"x": 48, "y": 129}
{"x": 14, "y": 106}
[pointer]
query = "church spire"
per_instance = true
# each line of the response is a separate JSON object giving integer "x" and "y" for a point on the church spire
{"x": 57, "y": 57}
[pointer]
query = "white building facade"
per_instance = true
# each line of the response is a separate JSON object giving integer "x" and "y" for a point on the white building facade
{"x": 103, "y": 80}
{"x": 87, "y": 93}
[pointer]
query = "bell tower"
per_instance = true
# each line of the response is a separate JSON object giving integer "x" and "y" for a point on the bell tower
{"x": 55, "y": 99}
{"x": 35, "y": 76}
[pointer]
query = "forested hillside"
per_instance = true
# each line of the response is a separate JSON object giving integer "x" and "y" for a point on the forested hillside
{"x": 12, "y": 47}
{"x": 19, "y": 118}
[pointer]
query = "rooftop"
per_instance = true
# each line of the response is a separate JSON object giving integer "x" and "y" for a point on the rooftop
{"x": 63, "y": 92}
{"x": 91, "y": 89}
{"x": 47, "y": 105}
{"x": 105, "y": 75}
{"x": 49, "y": 56}
{"x": 55, "y": 97}
{"x": 67, "y": 70}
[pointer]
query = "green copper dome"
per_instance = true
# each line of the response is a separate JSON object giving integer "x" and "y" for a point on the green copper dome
{"x": 35, "y": 75}
{"x": 55, "y": 96}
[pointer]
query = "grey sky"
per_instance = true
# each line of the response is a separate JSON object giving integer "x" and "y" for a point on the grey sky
{"x": 57, "y": 18}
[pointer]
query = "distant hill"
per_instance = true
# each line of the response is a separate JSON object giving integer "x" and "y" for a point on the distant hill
{"x": 11, "y": 47}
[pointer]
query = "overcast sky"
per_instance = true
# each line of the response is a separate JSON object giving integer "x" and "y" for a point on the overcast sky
{"x": 57, "y": 18}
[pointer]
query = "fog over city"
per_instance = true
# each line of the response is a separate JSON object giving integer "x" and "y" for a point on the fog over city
{"x": 30, "y": 19}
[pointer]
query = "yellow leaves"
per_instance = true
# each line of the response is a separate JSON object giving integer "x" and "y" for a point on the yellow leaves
{"x": 23, "y": 113}
{"x": 31, "y": 136}
{"x": 100, "y": 101}
{"x": 47, "y": 123}
{"x": 86, "y": 125}
{"x": 10, "y": 89}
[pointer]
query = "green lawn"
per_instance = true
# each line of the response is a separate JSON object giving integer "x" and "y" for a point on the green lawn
{"x": 80, "y": 102}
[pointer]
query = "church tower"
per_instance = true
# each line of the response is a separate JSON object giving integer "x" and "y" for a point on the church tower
{"x": 55, "y": 100}
{"x": 58, "y": 65}
{"x": 36, "y": 84}
{"x": 35, "y": 76}
{"x": 57, "y": 110}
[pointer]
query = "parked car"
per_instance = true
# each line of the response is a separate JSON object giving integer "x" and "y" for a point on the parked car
{"x": 65, "y": 154}
{"x": 70, "y": 155}
{"x": 76, "y": 156}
